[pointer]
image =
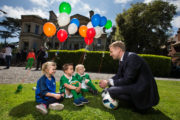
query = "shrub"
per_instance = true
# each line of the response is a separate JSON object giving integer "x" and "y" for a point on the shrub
{"x": 95, "y": 62}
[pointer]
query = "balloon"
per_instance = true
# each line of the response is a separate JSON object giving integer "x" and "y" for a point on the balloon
{"x": 72, "y": 28}
{"x": 91, "y": 33}
{"x": 108, "y": 24}
{"x": 62, "y": 35}
{"x": 63, "y": 19}
{"x": 83, "y": 30}
{"x": 65, "y": 7}
{"x": 89, "y": 25}
{"x": 75, "y": 21}
{"x": 95, "y": 20}
{"x": 98, "y": 32}
{"x": 49, "y": 29}
{"x": 103, "y": 21}
{"x": 88, "y": 41}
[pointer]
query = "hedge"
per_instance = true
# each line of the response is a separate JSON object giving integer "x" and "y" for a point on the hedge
{"x": 95, "y": 62}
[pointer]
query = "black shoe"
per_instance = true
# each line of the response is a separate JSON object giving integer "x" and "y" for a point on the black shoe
{"x": 6, "y": 68}
{"x": 94, "y": 92}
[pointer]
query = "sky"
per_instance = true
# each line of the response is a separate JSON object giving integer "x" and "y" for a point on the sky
{"x": 108, "y": 8}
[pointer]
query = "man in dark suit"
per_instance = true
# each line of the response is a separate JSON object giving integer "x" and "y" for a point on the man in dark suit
{"x": 134, "y": 81}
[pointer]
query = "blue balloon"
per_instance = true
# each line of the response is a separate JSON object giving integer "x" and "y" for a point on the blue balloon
{"x": 75, "y": 21}
{"x": 103, "y": 21}
{"x": 95, "y": 20}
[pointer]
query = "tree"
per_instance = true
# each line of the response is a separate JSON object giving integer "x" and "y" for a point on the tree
{"x": 11, "y": 27}
{"x": 145, "y": 28}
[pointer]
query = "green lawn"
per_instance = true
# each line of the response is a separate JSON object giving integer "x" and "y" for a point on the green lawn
{"x": 22, "y": 106}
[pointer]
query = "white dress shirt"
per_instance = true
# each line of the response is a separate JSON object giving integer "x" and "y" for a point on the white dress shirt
{"x": 110, "y": 81}
{"x": 8, "y": 51}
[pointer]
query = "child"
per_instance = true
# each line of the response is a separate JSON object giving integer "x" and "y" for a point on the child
{"x": 30, "y": 58}
{"x": 85, "y": 80}
{"x": 70, "y": 86}
{"x": 45, "y": 90}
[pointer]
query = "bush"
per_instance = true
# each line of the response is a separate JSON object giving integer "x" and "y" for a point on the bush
{"x": 95, "y": 62}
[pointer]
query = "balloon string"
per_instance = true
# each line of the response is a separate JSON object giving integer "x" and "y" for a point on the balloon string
{"x": 81, "y": 58}
{"x": 84, "y": 58}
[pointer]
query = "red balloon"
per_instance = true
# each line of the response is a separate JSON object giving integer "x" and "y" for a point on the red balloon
{"x": 62, "y": 35}
{"x": 88, "y": 41}
{"x": 91, "y": 33}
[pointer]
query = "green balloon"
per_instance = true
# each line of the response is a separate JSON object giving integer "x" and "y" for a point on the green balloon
{"x": 108, "y": 24}
{"x": 65, "y": 7}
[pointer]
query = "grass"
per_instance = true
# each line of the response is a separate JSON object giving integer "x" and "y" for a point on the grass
{"x": 21, "y": 106}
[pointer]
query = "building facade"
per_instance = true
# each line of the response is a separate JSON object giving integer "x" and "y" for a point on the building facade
{"x": 32, "y": 36}
{"x": 174, "y": 48}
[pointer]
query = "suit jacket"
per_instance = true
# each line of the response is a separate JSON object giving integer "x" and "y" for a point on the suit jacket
{"x": 135, "y": 73}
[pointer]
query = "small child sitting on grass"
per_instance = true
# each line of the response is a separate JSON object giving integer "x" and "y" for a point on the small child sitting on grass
{"x": 85, "y": 80}
{"x": 45, "y": 93}
{"x": 70, "y": 86}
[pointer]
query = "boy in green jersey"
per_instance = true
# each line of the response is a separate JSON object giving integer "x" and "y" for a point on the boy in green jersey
{"x": 70, "y": 86}
{"x": 85, "y": 80}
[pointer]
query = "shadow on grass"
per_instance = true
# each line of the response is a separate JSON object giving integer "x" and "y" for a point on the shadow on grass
{"x": 125, "y": 110}
{"x": 28, "y": 108}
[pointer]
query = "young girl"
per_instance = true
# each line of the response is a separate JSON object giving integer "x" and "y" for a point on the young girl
{"x": 85, "y": 80}
{"x": 70, "y": 86}
{"x": 46, "y": 94}
{"x": 30, "y": 58}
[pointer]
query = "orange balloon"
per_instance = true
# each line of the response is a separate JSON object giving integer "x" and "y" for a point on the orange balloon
{"x": 83, "y": 30}
{"x": 49, "y": 29}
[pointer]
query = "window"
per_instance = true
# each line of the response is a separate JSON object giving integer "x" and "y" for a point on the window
{"x": 27, "y": 28}
{"x": 56, "y": 45}
{"x": 76, "y": 46}
{"x": 26, "y": 45}
{"x": 70, "y": 47}
{"x": 37, "y": 29}
{"x": 99, "y": 42}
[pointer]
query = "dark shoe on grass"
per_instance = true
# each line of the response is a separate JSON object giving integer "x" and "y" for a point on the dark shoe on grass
{"x": 83, "y": 100}
{"x": 77, "y": 102}
{"x": 94, "y": 92}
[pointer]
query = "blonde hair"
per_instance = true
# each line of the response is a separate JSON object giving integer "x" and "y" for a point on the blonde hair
{"x": 119, "y": 44}
{"x": 79, "y": 66}
{"x": 46, "y": 65}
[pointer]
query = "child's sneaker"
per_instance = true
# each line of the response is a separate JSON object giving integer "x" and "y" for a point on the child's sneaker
{"x": 56, "y": 106}
{"x": 83, "y": 100}
{"x": 77, "y": 102}
{"x": 42, "y": 108}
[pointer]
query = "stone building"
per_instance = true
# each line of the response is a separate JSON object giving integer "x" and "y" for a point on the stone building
{"x": 32, "y": 36}
{"x": 174, "y": 48}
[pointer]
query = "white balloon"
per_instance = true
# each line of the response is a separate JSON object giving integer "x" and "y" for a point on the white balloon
{"x": 72, "y": 28}
{"x": 89, "y": 25}
{"x": 63, "y": 19}
{"x": 98, "y": 32}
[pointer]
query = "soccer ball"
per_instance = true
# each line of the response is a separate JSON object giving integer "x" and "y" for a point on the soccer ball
{"x": 108, "y": 102}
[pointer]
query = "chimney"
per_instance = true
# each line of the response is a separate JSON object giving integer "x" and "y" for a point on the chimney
{"x": 52, "y": 16}
{"x": 91, "y": 13}
{"x": 178, "y": 34}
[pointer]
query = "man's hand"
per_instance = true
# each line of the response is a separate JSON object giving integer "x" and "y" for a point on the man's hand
{"x": 103, "y": 83}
